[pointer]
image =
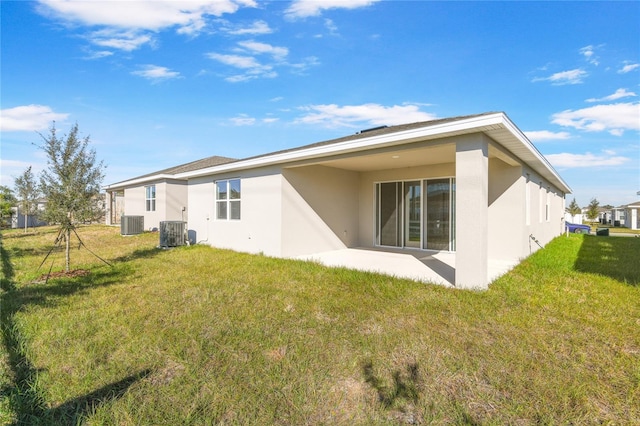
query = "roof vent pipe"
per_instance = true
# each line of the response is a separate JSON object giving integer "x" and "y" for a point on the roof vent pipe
{"x": 371, "y": 129}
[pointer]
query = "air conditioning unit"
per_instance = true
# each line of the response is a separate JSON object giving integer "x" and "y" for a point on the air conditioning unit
{"x": 131, "y": 225}
{"x": 173, "y": 233}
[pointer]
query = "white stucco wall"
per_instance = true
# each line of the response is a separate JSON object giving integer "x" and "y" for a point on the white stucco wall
{"x": 541, "y": 228}
{"x": 632, "y": 220}
{"x": 506, "y": 218}
{"x": 171, "y": 197}
{"x": 258, "y": 230}
{"x": 319, "y": 210}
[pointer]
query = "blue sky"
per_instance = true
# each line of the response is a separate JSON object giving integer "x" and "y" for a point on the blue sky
{"x": 160, "y": 83}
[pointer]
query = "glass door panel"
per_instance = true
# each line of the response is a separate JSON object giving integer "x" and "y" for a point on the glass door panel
{"x": 388, "y": 214}
{"x": 412, "y": 215}
{"x": 438, "y": 214}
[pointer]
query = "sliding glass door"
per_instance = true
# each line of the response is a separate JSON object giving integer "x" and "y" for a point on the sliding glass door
{"x": 387, "y": 218}
{"x": 412, "y": 219}
{"x": 437, "y": 206}
{"x": 416, "y": 214}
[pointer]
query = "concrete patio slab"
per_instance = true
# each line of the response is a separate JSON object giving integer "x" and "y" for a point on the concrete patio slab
{"x": 428, "y": 267}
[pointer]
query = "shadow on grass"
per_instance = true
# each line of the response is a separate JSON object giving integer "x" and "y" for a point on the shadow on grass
{"x": 614, "y": 257}
{"x": 404, "y": 388}
{"x": 139, "y": 254}
{"x": 23, "y": 394}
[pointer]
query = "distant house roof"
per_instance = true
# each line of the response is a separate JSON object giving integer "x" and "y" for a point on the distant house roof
{"x": 495, "y": 124}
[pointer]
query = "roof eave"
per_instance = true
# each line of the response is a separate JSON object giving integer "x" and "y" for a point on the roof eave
{"x": 138, "y": 181}
{"x": 442, "y": 130}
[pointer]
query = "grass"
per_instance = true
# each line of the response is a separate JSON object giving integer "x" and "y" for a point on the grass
{"x": 197, "y": 335}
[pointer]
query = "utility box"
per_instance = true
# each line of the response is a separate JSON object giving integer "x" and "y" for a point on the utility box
{"x": 131, "y": 225}
{"x": 173, "y": 233}
{"x": 603, "y": 232}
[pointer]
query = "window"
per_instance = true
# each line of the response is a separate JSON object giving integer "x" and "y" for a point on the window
{"x": 150, "y": 198}
{"x": 228, "y": 199}
{"x": 527, "y": 201}
{"x": 541, "y": 203}
{"x": 547, "y": 209}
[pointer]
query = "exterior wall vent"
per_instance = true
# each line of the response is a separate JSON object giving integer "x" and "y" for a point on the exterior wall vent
{"x": 131, "y": 225}
{"x": 172, "y": 233}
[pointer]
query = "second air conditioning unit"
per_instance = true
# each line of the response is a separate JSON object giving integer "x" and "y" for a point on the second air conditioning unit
{"x": 131, "y": 225}
{"x": 172, "y": 233}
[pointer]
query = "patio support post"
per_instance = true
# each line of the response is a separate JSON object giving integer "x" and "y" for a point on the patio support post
{"x": 472, "y": 215}
{"x": 108, "y": 202}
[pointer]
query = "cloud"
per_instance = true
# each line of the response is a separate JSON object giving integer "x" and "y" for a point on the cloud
{"x": 98, "y": 55}
{"x": 243, "y": 120}
{"x": 156, "y": 73}
{"x": 589, "y": 54}
{"x": 305, "y": 64}
{"x": 355, "y": 115}
{"x": 571, "y": 161}
{"x": 331, "y": 26}
{"x": 614, "y": 118}
{"x": 618, "y": 94}
{"x": 257, "y": 28}
{"x": 628, "y": 68}
{"x": 127, "y": 25}
{"x": 306, "y": 8}
{"x": 564, "y": 77}
{"x": 278, "y": 53}
{"x": 546, "y": 135}
{"x": 247, "y": 60}
{"x": 237, "y": 61}
{"x": 28, "y": 118}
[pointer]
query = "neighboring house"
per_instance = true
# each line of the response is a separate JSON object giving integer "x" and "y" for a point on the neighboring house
{"x": 631, "y": 215}
{"x": 18, "y": 218}
{"x": 472, "y": 186}
{"x": 577, "y": 218}
{"x": 617, "y": 216}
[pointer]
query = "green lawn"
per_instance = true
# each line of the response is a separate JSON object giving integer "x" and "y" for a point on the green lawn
{"x": 199, "y": 336}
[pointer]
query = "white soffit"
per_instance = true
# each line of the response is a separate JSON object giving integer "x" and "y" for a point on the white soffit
{"x": 497, "y": 126}
{"x": 453, "y": 128}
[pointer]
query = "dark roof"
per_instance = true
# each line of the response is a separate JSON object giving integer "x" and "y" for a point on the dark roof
{"x": 188, "y": 167}
{"x": 366, "y": 133}
{"x": 377, "y": 131}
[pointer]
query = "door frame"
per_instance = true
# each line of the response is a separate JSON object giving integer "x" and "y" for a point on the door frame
{"x": 401, "y": 224}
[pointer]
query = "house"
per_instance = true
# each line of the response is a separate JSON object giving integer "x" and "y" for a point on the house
{"x": 632, "y": 212}
{"x": 458, "y": 194}
{"x": 19, "y": 219}
{"x": 158, "y": 196}
{"x": 617, "y": 216}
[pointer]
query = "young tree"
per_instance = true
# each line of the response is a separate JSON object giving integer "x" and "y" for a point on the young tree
{"x": 592, "y": 210}
{"x": 7, "y": 200}
{"x": 71, "y": 182}
{"x": 574, "y": 208}
{"x": 27, "y": 191}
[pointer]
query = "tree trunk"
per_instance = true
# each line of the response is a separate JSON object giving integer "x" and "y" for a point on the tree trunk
{"x": 26, "y": 222}
{"x": 67, "y": 248}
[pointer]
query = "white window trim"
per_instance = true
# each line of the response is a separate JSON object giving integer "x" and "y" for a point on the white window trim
{"x": 150, "y": 202}
{"x": 228, "y": 200}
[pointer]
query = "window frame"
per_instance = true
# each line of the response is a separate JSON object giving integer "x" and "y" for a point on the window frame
{"x": 228, "y": 199}
{"x": 150, "y": 196}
